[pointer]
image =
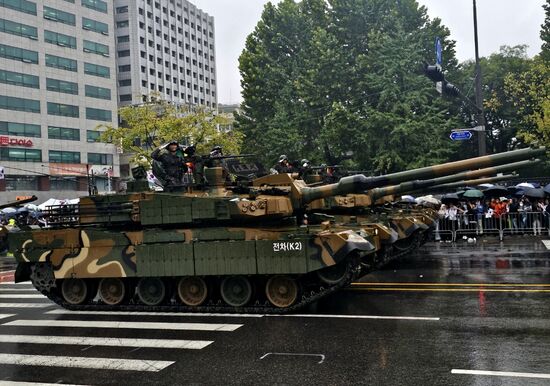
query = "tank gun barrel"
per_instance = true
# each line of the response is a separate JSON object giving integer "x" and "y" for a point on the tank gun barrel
{"x": 359, "y": 183}
{"x": 19, "y": 202}
{"x": 474, "y": 182}
{"x": 410, "y": 186}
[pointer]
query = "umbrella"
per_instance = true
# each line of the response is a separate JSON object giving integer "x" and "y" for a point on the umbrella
{"x": 496, "y": 191}
{"x": 525, "y": 185}
{"x": 428, "y": 200}
{"x": 22, "y": 210}
{"x": 535, "y": 184}
{"x": 519, "y": 193}
{"x": 32, "y": 207}
{"x": 473, "y": 193}
{"x": 451, "y": 197}
{"x": 408, "y": 198}
{"x": 547, "y": 188}
{"x": 534, "y": 193}
{"x": 485, "y": 186}
{"x": 8, "y": 210}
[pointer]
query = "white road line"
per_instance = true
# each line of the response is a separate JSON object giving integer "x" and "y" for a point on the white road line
{"x": 66, "y": 312}
{"x": 130, "y": 325}
{"x": 25, "y": 305}
{"x": 501, "y": 373}
{"x": 2, "y": 290}
{"x": 357, "y": 317}
{"x": 22, "y": 296}
{"x": 546, "y": 243}
{"x": 112, "y": 342}
{"x": 22, "y": 284}
{"x": 4, "y": 316}
{"x": 84, "y": 362}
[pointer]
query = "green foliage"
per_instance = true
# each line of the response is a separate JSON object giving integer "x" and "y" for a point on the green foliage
{"x": 344, "y": 75}
{"x": 145, "y": 127}
{"x": 545, "y": 33}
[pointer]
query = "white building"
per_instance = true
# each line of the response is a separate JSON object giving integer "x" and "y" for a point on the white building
{"x": 165, "y": 46}
{"x": 57, "y": 83}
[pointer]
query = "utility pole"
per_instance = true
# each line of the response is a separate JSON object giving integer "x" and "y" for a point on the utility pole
{"x": 482, "y": 147}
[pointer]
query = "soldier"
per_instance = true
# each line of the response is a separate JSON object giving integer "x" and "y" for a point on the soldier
{"x": 283, "y": 166}
{"x": 168, "y": 165}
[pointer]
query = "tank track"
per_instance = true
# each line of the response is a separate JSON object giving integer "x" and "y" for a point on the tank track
{"x": 217, "y": 307}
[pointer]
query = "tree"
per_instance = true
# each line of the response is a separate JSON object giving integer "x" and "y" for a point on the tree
{"x": 545, "y": 33}
{"x": 330, "y": 80}
{"x": 145, "y": 127}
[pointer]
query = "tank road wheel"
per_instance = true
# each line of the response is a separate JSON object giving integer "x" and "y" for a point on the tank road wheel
{"x": 151, "y": 291}
{"x": 112, "y": 291}
{"x": 192, "y": 290}
{"x": 281, "y": 291}
{"x": 236, "y": 290}
{"x": 334, "y": 274}
{"x": 75, "y": 291}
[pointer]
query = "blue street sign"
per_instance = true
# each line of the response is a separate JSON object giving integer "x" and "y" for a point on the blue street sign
{"x": 461, "y": 135}
{"x": 438, "y": 51}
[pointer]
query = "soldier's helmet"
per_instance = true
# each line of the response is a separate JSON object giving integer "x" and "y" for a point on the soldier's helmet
{"x": 283, "y": 158}
{"x": 216, "y": 151}
{"x": 190, "y": 150}
{"x": 305, "y": 162}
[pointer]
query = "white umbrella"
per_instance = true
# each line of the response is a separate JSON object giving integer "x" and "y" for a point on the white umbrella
{"x": 525, "y": 185}
{"x": 8, "y": 210}
{"x": 486, "y": 185}
{"x": 407, "y": 198}
{"x": 428, "y": 200}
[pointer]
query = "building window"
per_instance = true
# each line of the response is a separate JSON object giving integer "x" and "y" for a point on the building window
{"x": 123, "y": 39}
{"x": 20, "y": 155}
{"x": 97, "y": 70}
{"x": 61, "y": 86}
{"x": 19, "y": 79}
{"x": 20, "y": 129}
{"x": 122, "y": 24}
{"x": 63, "y": 183}
{"x": 19, "y": 104}
{"x": 96, "y": 48}
{"x": 126, "y": 98}
{"x": 124, "y": 68}
{"x": 123, "y": 53}
{"x": 98, "y": 92}
{"x": 17, "y": 53}
{"x": 20, "y": 5}
{"x": 65, "y": 133}
{"x": 59, "y": 39}
{"x": 18, "y": 29}
{"x": 96, "y": 5}
{"x": 100, "y": 159}
{"x": 63, "y": 63}
{"x": 98, "y": 114}
{"x": 63, "y": 110}
{"x": 93, "y": 136}
{"x": 94, "y": 25}
{"x": 59, "y": 16}
{"x": 124, "y": 9}
{"x": 125, "y": 82}
{"x": 21, "y": 183}
{"x": 67, "y": 157}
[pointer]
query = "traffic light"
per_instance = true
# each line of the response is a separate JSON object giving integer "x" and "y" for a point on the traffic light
{"x": 434, "y": 72}
{"x": 450, "y": 89}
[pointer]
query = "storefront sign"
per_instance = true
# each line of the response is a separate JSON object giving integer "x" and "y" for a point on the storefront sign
{"x": 12, "y": 141}
{"x": 60, "y": 169}
{"x": 101, "y": 170}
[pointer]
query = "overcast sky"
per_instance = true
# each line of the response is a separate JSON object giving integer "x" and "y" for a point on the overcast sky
{"x": 500, "y": 22}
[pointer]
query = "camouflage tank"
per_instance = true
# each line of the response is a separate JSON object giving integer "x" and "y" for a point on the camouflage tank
{"x": 212, "y": 250}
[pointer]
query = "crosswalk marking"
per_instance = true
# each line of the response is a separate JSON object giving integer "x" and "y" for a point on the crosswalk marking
{"x": 114, "y": 342}
{"x": 25, "y": 305}
{"x": 129, "y": 325}
{"x": 4, "y": 316}
{"x": 2, "y": 290}
{"x": 137, "y": 313}
{"x": 84, "y": 362}
{"x": 22, "y": 284}
{"x": 22, "y": 296}
{"x": 15, "y": 383}
{"x": 546, "y": 243}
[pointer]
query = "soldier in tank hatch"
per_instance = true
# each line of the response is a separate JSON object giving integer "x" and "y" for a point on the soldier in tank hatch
{"x": 283, "y": 166}
{"x": 169, "y": 165}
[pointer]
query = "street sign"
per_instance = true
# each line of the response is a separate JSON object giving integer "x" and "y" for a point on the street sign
{"x": 438, "y": 51}
{"x": 461, "y": 135}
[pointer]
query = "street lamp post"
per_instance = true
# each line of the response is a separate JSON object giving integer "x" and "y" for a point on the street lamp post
{"x": 482, "y": 148}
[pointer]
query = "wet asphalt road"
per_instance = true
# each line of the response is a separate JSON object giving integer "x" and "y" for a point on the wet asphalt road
{"x": 447, "y": 307}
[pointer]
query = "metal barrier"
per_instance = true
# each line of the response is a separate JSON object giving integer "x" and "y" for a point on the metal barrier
{"x": 535, "y": 223}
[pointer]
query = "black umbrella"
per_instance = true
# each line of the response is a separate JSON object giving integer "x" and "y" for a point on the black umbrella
{"x": 450, "y": 198}
{"x": 547, "y": 188}
{"x": 534, "y": 192}
{"x": 496, "y": 191}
